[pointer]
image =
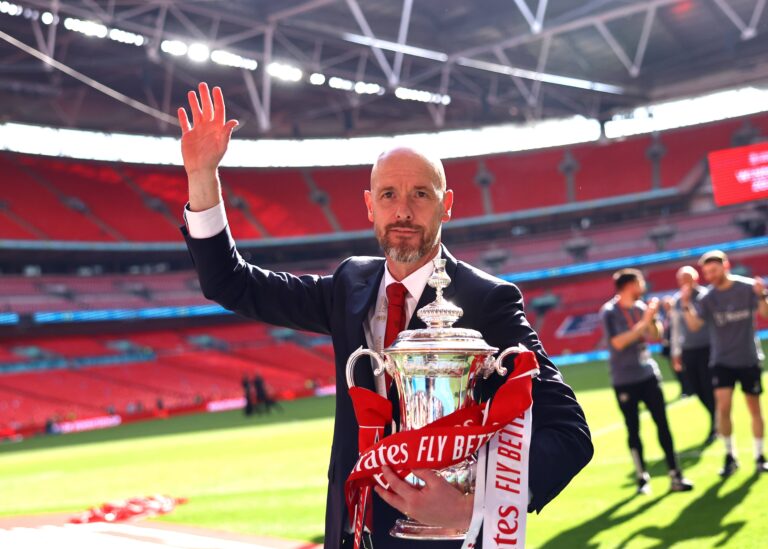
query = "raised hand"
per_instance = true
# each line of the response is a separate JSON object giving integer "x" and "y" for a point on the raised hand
{"x": 652, "y": 309}
{"x": 203, "y": 145}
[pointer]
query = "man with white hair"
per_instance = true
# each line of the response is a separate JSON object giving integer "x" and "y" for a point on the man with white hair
{"x": 690, "y": 349}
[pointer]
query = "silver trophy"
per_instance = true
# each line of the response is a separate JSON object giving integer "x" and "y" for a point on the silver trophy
{"x": 435, "y": 370}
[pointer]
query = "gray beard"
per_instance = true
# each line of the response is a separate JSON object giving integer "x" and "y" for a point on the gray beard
{"x": 399, "y": 255}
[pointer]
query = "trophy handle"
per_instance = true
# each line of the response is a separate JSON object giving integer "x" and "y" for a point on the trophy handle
{"x": 497, "y": 364}
{"x": 376, "y": 357}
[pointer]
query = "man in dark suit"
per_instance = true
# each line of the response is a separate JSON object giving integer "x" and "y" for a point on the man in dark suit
{"x": 407, "y": 204}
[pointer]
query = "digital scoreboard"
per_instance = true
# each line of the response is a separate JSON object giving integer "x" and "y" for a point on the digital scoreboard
{"x": 739, "y": 174}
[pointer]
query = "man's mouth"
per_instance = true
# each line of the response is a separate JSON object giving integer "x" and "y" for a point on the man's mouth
{"x": 403, "y": 231}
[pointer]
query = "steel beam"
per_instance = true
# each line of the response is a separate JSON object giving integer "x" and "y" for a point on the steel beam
{"x": 381, "y": 59}
{"x": 402, "y": 36}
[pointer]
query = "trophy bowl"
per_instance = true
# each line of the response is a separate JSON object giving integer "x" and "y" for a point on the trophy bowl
{"x": 435, "y": 370}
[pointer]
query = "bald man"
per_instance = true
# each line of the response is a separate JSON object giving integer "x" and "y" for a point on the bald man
{"x": 407, "y": 203}
{"x": 690, "y": 349}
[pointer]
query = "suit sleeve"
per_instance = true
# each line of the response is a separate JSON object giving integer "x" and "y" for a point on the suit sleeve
{"x": 299, "y": 302}
{"x": 561, "y": 444}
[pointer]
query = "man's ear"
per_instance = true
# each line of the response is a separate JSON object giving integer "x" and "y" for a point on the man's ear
{"x": 447, "y": 205}
{"x": 368, "y": 204}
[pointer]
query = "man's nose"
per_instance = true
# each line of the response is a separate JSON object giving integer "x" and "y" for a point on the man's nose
{"x": 404, "y": 211}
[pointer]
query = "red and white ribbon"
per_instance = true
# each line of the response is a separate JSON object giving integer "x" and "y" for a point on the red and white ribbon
{"x": 504, "y": 421}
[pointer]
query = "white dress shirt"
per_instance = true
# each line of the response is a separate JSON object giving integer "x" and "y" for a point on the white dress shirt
{"x": 207, "y": 223}
{"x": 375, "y": 325}
{"x": 212, "y": 221}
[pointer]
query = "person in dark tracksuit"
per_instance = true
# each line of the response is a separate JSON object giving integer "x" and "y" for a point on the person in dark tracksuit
{"x": 628, "y": 324}
{"x": 690, "y": 349}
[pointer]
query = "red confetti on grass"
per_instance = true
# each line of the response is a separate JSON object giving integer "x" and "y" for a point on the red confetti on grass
{"x": 129, "y": 509}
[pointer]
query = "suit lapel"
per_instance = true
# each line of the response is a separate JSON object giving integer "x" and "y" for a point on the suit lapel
{"x": 361, "y": 298}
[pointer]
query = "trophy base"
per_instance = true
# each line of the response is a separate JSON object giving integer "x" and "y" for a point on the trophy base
{"x": 410, "y": 529}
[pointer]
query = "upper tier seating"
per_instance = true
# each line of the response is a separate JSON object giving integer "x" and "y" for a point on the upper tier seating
{"x": 42, "y": 211}
{"x": 144, "y": 203}
{"x": 107, "y": 195}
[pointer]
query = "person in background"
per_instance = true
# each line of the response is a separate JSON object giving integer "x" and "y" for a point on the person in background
{"x": 629, "y": 323}
{"x": 728, "y": 308}
{"x": 246, "y": 384}
{"x": 690, "y": 349}
{"x": 666, "y": 349}
{"x": 264, "y": 402}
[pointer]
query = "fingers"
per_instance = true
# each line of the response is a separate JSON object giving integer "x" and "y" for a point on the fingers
{"x": 183, "y": 120}
{"x": 194, "y": 107}
{"x": 219, "y": 112}
{"x": 428, "y": 476}
{"x": 394, "y": 500}
{"x": 205, "y": 100}
{"x": 396, "y": 484}
{"x": 231, "y": 125}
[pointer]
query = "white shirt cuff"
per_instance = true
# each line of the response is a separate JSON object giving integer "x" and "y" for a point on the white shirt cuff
{"x": 207, "y": 223}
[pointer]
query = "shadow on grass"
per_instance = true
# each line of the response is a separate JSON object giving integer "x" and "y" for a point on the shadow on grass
{"x": 686, "y": 458}
{"x": 703, "y": 518}
{"x": 296, "y": 410}
{"x": 581, "y": 536}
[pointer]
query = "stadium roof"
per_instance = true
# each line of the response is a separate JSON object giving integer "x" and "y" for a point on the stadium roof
{"x": 124, "y": 65}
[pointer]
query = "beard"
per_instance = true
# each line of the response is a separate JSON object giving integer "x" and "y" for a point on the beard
{"x": 400, "y": 250}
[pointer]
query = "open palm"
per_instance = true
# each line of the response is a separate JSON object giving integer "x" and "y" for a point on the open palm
{"x": 204, "y": 143}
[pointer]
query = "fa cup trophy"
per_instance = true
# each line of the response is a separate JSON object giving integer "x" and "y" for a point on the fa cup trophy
{"x": 435, "y": 370}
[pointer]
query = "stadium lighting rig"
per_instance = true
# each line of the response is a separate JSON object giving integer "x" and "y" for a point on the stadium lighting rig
{"x": 264, "y": 153}
{"x": 199, "y": 53}
{"x": 360, "y": 87}
{"x": 13, "y": 10}
{"x": 422, "y": 96}
{"x": 285, "y": 72}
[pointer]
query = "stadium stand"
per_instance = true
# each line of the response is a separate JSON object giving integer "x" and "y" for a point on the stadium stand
{"x": 279, "y": 199}
{"x": 291, "y": 202}
{"x": 53, "y": 376}
{"x": 41, "y": 208}
{"x": 100, "y": 186}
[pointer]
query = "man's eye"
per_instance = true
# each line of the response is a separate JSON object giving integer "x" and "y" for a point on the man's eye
{"x": 388, "y": 194}
{"x": 422, "y": 194}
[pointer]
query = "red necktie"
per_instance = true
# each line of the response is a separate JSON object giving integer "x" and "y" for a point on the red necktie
{"x": 395, "y": 324}
{"x": 396, "y": 293}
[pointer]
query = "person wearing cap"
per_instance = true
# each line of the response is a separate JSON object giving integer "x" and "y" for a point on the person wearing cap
{"x": 728, "y": 308}
{"x": 690, "y": 349}
{"x": 629, "y": 323}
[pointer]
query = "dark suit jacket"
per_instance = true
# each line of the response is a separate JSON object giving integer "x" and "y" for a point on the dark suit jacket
{"x": 338, "y": 305}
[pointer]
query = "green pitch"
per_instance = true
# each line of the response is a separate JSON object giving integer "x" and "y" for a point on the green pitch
{"x": 267, "y": 475}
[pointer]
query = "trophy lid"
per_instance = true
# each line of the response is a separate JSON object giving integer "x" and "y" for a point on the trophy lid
{"x": 439, "y": 316}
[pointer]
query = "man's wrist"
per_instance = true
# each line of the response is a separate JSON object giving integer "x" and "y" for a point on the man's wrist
{"x": 204, "y": 189}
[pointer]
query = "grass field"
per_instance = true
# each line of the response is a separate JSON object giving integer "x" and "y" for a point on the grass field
{"x": 249, "y": 476}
